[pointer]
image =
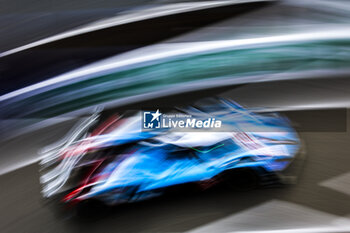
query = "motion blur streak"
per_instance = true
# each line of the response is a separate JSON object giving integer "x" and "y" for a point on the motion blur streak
{"x": 169, "y": 51}
{"x": 130, "y": 16}
{"x": 77, "y": 132}
{"x": 175, "y": 66}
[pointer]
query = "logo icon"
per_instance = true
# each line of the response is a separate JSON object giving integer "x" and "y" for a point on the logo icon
{"x": 152, "y": 120}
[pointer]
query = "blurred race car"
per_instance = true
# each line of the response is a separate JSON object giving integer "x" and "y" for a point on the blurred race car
{"x": 119, "y": 162}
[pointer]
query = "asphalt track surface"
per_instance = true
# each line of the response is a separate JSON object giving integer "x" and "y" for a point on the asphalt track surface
{"x": 22, "y": 209}
{"x": 320, "y": 199}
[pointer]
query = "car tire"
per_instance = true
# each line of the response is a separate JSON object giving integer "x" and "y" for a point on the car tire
{"x": 242, "y": 180}
{"x": 90, "y": 209}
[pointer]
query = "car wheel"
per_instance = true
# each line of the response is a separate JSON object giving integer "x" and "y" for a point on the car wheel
{"x": 243, "y": 180}
{"x": 90, "y": 209}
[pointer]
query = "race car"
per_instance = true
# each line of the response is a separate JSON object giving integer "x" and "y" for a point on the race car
{"x": 117, "y": 161}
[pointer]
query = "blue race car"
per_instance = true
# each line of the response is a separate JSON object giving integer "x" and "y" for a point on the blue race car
{"x": 120, "y": 161}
